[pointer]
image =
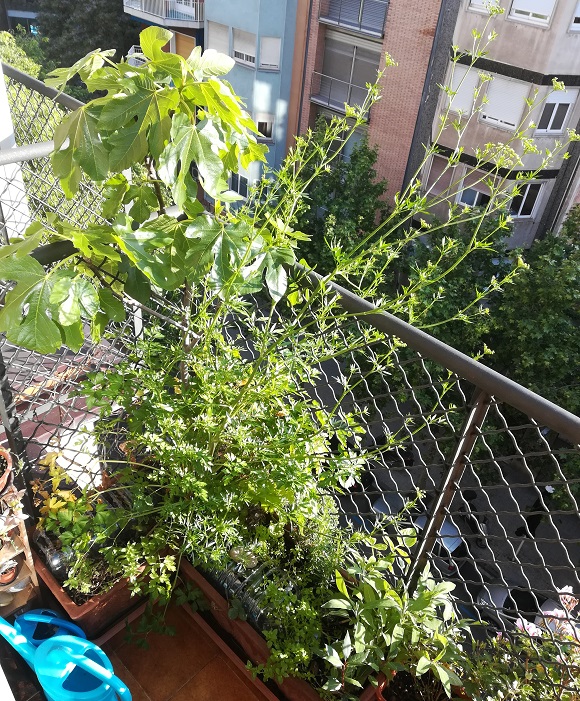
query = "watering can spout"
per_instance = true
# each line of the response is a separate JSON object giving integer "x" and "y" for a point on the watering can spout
{"x": 18, "y": 642}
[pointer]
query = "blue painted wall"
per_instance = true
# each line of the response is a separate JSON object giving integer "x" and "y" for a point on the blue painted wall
{"x": 263, "y": 91}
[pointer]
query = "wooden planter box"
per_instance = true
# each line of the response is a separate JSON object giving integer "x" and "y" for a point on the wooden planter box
{"x": 253, "y": 644}
{"x": 99, "y": 613}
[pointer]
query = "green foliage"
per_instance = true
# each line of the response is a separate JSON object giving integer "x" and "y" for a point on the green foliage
{"x": 228, "y": 457}
{"x": 74, "y": 29}
{"x": 342, "y": 204}
{"x": 535, "y": 324}
{"x": 385, "y": 629}
{"x": 168, "y": 114}
{"x": 508, "y": 669}
{"x": 13, "y": 52}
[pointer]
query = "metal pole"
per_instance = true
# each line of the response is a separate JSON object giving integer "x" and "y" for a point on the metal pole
{"x": 469, "y": 434}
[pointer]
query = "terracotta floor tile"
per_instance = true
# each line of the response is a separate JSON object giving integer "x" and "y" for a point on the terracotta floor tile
{"x": 169, "y": 661}
{"x": 137, "y": 691}
{"x": 217, "y": 680}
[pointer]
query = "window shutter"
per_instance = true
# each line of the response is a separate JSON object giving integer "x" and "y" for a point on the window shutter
{"x": 464, "y": 82}
{"x": 270, "y": 52}
{"x": 575, "y": 24}
{"x": 543, "y": 8}
{"x": 245, "y": 46}
{"x": 506, "y": 101}
{"x": 373, "y": 15}
{"x": 218, "y": 37}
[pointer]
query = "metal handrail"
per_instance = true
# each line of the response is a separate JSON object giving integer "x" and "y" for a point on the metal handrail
{"x": 38, "y": 86}
{"x": 492, "y": 382}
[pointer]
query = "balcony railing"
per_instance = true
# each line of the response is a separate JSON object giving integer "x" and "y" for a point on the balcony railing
{"x": 335, "y": 93}
{"x": 484, "y": 447}
{"x": 183, "y": 12}
{"x": 366, "y": 16}
{"x": 135, "y": 56}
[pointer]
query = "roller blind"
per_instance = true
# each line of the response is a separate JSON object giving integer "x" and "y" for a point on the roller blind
{"x": 218, "y": 37}
{"x": 539, "y": 10}
{"x": 270, "y": 52}
{"x": 463, "y": 83}
{"x": 244, "y": 46}
{"x": 506, "y": 101}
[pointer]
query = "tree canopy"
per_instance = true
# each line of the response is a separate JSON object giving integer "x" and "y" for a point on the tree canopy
{"x": 74, "y": 29}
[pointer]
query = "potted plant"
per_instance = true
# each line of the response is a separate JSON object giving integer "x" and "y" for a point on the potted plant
{"x": 229, "y": 457}
{"x": 92, "y": 593}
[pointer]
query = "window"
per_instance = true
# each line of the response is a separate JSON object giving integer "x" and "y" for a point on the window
{"x": 523, "y": 204}
{"x": 536, "y": 11}
{"x": 346, "y": 70}
{"x": 505, "y": 102}
{"x": 464, "y": 83}
{"x": 575, "y": 24}
{"x": 270, "y": 53}
{"x": 245, "y": 47}
{"x": 473, "y": 198}
{"x": 265, "y": 128}
{"x": 218, "y": 37}
{"x": 555, "y": 111}
{"x": 240, "y": 184}
{"x": 367, "y": 16}
{"x": 481, "y": 5}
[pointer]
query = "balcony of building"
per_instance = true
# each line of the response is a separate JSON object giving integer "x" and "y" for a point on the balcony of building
{"x": 365, "y": 16}
{"x": 334, "y": 93}
{"x": 482, "y": 447}
{"x": 168, "y": 13}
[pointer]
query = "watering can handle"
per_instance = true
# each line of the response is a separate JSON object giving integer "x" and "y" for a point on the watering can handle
{"x": 54, "y": 620}
{"x": 101, "y": 673}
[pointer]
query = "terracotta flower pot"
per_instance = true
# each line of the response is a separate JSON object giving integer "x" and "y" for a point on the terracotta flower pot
{"x": 8, "y": 572}
{"x": 97, "y": 614}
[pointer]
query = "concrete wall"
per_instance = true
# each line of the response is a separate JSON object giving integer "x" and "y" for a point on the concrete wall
{"x": 552, "y": 49}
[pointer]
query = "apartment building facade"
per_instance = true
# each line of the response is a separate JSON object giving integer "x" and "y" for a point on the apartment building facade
{"x": 266, "y": 41}
{"x": 538, "y": 40}
{"x": 185, "y": 18}
{"x": 299, "y": 59}
{"x": 347, "y": 41}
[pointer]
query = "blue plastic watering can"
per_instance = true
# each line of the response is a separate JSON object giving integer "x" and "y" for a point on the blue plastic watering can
{"x": 69, "y": 668}
{"x": 40, "y": 624}
{"x": 73, "y": 669}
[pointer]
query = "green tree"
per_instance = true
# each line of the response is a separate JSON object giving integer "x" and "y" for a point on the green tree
{"x": 13, "y": 53}
{"x": 456, "y": 306}
{"x": 74, "y": 29}
{"x": 342, "y": 205}
{"x": 535, "y": 324}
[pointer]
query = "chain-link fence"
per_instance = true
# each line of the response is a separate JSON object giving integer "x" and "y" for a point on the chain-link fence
{"x": 498, "y": 468}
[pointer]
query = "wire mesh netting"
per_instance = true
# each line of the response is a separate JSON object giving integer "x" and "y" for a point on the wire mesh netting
{"x": 508, "y": 511}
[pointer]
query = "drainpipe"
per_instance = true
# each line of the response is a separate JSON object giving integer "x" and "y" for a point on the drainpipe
{"x": 438, "y": 60}
{"x": 300, "y": 106}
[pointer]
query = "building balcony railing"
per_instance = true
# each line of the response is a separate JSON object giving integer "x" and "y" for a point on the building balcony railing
{"x": 171, "y": 13}
{"x": 334, "y": 93}
{"x": 498, "y": 463}
{"x": 366, "y": 16}
{"x": 135, "y": 56}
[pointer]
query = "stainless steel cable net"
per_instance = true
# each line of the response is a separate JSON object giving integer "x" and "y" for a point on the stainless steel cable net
{"x": 501, "y": 488}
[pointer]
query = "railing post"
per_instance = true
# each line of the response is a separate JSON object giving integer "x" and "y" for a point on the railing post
{"x": 469, "y": 433}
